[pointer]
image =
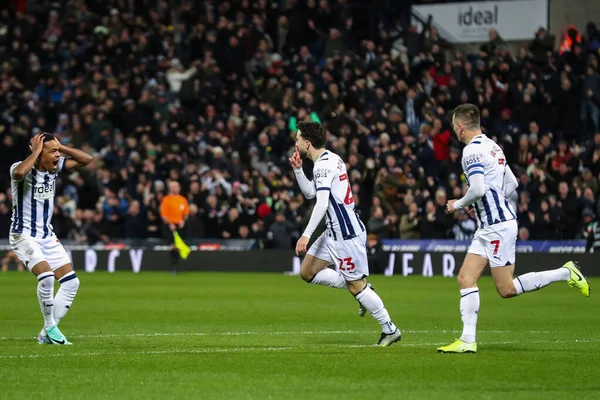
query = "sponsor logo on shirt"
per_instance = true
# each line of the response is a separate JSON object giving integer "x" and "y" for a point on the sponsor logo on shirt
{"x": 43, "y": 191}
{"x": 321, "y": 173}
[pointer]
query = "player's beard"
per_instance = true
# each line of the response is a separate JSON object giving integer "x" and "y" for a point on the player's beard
{"x": 303, "y": 153}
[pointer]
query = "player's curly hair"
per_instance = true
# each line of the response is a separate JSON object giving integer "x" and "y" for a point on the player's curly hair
{"x": 314, "y": 133}
{"x": 469, "y": 115}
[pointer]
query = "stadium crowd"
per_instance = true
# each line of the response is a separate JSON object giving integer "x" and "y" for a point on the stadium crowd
{"x": 208, "y": 94}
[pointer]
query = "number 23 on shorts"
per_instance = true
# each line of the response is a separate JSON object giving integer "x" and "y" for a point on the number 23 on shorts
{"x": 346, "y": 264}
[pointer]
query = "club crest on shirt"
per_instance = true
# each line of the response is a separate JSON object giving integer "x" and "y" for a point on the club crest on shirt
{"x": 43, "y": 191}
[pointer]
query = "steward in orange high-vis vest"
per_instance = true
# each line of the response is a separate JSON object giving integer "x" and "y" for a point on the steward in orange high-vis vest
{"x": 570, "y": 37}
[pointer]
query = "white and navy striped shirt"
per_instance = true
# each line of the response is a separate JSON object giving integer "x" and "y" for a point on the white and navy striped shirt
{"x": 329, "y": 173}
{"x": 33, "y": 202}
{"x": 483, "y": 156}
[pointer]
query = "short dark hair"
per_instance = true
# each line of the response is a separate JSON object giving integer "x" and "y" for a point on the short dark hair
{"x": 469, "y": 115}
{"x": 48, "y": 137}
{"x": 314, "y": 133}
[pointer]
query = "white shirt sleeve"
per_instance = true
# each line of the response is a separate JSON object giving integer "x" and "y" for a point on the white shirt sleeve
{"x": 473, "y": 166}
{"x": 307, "y": 187}
{"x": 12, "y": 169}
{"x": 318, "y": 212}
{"x": 474, "y": 193}
{"x": 510, "y": 182}
{"x": 324, "y": 173}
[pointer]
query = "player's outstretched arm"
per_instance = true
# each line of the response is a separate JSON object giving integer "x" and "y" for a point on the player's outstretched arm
{"x": 77, "y": 158}
{"x": 23, "y": 168}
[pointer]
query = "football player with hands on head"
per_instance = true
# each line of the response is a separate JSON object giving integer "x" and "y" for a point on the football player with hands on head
{"x": 33, "y": 183}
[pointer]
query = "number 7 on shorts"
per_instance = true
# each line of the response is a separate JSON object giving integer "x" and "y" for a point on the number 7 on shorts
{"x": 496, "y": 244}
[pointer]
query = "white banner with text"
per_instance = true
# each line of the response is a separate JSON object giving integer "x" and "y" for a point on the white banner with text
{"x": 470, "y": 22}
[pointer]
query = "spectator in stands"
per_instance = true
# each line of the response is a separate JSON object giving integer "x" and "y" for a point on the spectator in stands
{"x": 590, "y": 106}
{"x": 434, "y": 39}
{"x": 135, "y": 222}
{"x": 444, "y": 221}
{"x": 195, "y": 222}
{"x": 570, "y": 40}
{"x": 231, "y": 225}
{"x": 568, "y": 203}
{"x": 91, "y": 231}
{"x": 280, "y": 232}
{"x": 464, "y": 227}
{"x": 542, "y": 44}
{"x": 587, "y": 181}
{"x": 379, "y": 224}
{"x": 114, "y": 209}
{"x": 545, "y": 227}
{"x": 493, "y": 46}
{"x": 376, "y": 256}
{"x": 592, "y": 38}
{"x": 410, "y": 223}
{"x": 176, "y": 76}
{"x": 523, "y": 234}
{"x": 429, "y": 226}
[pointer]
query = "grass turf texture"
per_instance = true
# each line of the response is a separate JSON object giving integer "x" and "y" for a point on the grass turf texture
{"x": 259, "y": 336}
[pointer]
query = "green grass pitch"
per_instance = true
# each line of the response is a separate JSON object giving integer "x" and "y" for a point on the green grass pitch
{"x": 271, "y": 336}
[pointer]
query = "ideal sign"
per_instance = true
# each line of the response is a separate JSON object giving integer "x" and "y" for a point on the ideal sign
{"x": 471, "y": 22}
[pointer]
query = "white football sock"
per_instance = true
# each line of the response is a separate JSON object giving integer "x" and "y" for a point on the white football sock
{"x": 329, "y": 277}
{"x": 537, "y": 280}
{"x": 45, "y": 293}
{"x": 469, "y": 310}
{"x": 65, "y": 295}
{"x": 373, "y": 303}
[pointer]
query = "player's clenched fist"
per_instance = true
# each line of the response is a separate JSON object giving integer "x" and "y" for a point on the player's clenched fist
{"x": 450, "y": 205}
{"x": 301, "y": 246}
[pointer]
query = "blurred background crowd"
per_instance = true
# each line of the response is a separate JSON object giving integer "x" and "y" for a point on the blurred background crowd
{"x": 208, "y": 93}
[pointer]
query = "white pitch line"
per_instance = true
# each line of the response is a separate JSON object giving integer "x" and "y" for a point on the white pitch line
{"x": 267, "y": 349}
{"x": 274, "y": 333}
{"x": 152, "y": 352}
